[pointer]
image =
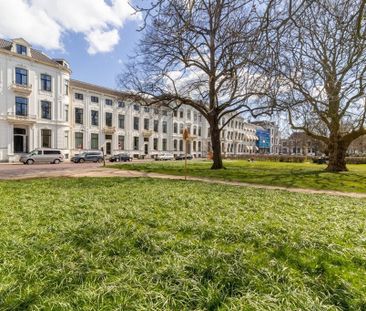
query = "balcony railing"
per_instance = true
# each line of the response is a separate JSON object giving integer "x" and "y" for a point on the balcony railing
{"x": 109, "y": 129}
{"x": 21, "y": 88}
{"x": 147, "y": 133}
{"x": 28, "y": 118}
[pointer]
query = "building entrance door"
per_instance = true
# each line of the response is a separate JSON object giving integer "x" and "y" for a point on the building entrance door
{"x": 108, "y": 147}
{"x": 20, "y": 140}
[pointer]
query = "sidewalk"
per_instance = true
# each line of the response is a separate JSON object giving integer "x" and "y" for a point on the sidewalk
{"x": 110, "y": 172}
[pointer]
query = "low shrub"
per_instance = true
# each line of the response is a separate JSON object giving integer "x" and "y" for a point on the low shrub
{"x": 270, "y": 157}
{"x": 356, "y": 160}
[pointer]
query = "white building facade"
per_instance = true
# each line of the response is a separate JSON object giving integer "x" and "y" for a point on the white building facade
{"x": 33, "y": 100}
{"x": 41, "y": 106}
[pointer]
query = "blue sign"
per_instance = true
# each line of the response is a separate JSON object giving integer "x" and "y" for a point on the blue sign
{"x": 264, "y": 139}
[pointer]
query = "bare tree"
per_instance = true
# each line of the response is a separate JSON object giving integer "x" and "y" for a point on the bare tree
{"x": 318, "y": 64}
{"x": 199, "y": 53}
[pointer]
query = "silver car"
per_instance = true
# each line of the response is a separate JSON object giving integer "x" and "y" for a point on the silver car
{"x": 43, "y": 155}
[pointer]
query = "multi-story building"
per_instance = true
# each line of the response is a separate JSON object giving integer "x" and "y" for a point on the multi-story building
{"x": 238, "y": 137}
{"x": 102, "y": 117}
{"x": 33, "y": 100}
{"x": 41, "y": 106}
{"x": 298, "y": 143}
{"x": 274, "y": 137}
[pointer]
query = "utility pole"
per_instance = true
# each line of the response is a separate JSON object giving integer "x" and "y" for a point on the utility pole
{"x": 186, "y": 140}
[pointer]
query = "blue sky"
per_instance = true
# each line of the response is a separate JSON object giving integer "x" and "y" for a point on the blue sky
{"x": 94, "y": 36}
{"x": 100, "y": 68}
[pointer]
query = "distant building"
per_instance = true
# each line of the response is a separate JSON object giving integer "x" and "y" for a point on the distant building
{"x": 301, "y": 144}
{"x": 274, "y": 137}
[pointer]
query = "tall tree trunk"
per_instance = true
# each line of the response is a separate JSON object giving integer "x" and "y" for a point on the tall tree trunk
{"x": 337, "y": 155}
{"x": 216, "y": 145}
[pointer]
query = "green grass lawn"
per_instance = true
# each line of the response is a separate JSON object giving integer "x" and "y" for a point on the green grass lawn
{"x": 146, "y": 244}
{"x": 297, "y": 175}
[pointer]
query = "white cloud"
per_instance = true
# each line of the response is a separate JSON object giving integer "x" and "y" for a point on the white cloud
{"x": 102, "y": 41}
{"x": 43, "y": 22}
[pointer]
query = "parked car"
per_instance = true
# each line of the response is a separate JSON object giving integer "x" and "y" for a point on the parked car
{"x": 88, "y": 156}
{"x": 121, "y": 157}
{"x": 320, "y": 160}
{"x": 183, "y": 156}
{"x": 164, "y": 157}
{"x": 42, "y": 155}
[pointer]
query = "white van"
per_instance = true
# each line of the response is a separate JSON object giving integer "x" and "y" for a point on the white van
{"x": 43, "y": 155}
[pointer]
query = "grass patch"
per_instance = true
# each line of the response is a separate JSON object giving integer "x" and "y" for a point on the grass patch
{"x": 296, "y": 175}
{"x": 145, "y": 244}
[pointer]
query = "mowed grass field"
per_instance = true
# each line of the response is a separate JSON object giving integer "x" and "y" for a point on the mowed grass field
{"x": 146, "y": 244}
{"x": 296, "y": 175}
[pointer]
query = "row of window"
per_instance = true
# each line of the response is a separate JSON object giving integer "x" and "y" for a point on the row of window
{"x": 21, "y": 107}
{"x": 196, "y": 131}
{"x": 94, "y": 141}
{"x": 21, "y": 78}
{"x": 237, "y": 125}
{"x": 79, "y": 119}
{"x": 196, "y": 146}
{"x": 46, "y": 141}
{"x": 121, "y": 104}
{"x": 180, "y": 113}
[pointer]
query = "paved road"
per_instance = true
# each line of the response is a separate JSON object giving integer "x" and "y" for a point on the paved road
{"x": 15, "y": 171}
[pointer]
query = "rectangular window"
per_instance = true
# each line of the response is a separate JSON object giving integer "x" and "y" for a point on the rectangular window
{"x": 94, "y": 141}
{"x": 79, "y": 96}
{"x": 121, "y": 104}
{"x": 189, "y": 114}
{"x": 45, "y": 82}
{"x": 181, "y": 114}
{"x": 79, "y": 115}
{"x": 108, "y": 102}
{"x": 108, "y": 119}
{"x": 155, "y": 144}
{"x": 175, "y": 113}
{"x": 181, "y": 145}
{"x": 94, "y": 117}
{"x": 156, "y": 125}
{"x": 199, "y": 131}
{"x": 21, "y": 76}
{"x": 121, "y": 142}
{"x": 146, "y": 124}
{"x": 21, "y": 49}
{"x": 175, "y": 128}
{"x": 46, "y": 110}
{"x": 79, "y": 140}
{"x": 66, "y": 140}
{"x": 136, "y": 125}
{"x": 136, "y": 107}
{"x": 195, "y": 116}
{"x": 94, "y": 99}
{"x": 46, "y": 138}
{"x": 164, "y": 144}
{"x": 66, "y": 87}
{"x": 146, "y": 109}
{"x": 156, "y": 111}
{"x": 165, "y": 127}
{"x": 175, "y": 145}
{"x": 199, "y": 146}
{"x": 21, "y": 106}
{"x": 135, "y": 143}
{"x": 121, "y": 121}
{"x": 165, "y": 112}
{"x": 66, "y": 113}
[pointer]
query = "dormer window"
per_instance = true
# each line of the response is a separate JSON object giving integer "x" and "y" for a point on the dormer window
{"x": 21, "y": 49}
